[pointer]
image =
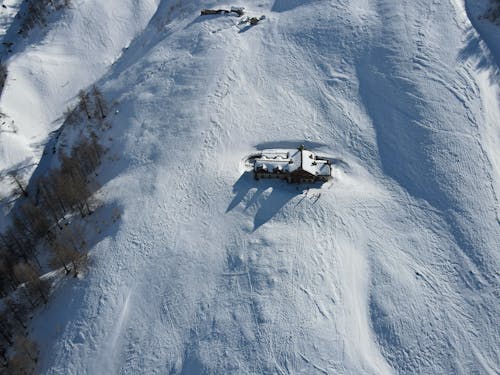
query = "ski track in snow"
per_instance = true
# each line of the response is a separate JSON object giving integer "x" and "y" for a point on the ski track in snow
{"x": 391, "y": 268}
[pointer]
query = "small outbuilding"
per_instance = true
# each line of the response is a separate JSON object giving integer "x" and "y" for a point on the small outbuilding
{"x": 295, "y": 166}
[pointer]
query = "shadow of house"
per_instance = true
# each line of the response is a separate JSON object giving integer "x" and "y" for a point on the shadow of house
{"x": 267, "y": 197}
{"x": 268, "y": 206}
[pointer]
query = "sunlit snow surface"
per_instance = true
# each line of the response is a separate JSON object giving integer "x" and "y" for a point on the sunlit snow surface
{"x": 389, "y": 268}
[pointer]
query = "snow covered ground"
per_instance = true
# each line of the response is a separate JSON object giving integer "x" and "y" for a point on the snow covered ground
{"x": 390, "y": 268}
{"x": 49, "y": 67}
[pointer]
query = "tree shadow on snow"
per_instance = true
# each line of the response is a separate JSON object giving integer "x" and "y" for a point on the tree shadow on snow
{"x": 484, "y": 59}
{"x": 266, "y": 196}
{"x": 15, "y": 42}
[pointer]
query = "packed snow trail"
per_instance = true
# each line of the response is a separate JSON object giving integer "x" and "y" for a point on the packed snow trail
{"x": 390, "y": 268}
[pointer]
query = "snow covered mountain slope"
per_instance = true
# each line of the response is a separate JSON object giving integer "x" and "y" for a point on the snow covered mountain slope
{"x": 390, "y": 268}
{"x": 49, "y": 66}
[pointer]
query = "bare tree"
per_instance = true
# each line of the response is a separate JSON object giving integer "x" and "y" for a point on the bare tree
{"x": 86, "y": 154}
{"x": 18, "y": 183}
{"x": 18, "y": 311}
{"x": 100, "y": 103}
{"x": 6, "y": 329}
{"x": 34, "y": 15}
{"x": 3, "y": 76}
{"x": 25, "y": 240}
{"x": 71, "y": 116}
{"x": 19, "y": 244}
{"x": 29, "y": 227}
{"x": 68, "y": 187}
{"x": 62, "y": 256}
{"x": 84, "y": 103}
{"x": 25, "y": 356}
{"x": 4, "y": 360}
{"x": 72, "y": 186}
{"x": 66, "y": 256}
{"x": 8, "y": 281}
{"x": 33, "y": 283}
{"x": 50, "y": 200}
{"x": 36, "y": 221}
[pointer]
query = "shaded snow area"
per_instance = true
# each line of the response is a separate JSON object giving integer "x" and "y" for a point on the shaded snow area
{"x": 391, "y": 267}
{"x": 49, "y": 66}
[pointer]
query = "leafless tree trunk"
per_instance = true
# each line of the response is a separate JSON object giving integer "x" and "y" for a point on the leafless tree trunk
{"x": 19, "y": 184}
{"x": 5, "y": 328}
{"x": 100, "y": 102}
{"x": 61, "y": 256}
{"x": 8, "y": 281}
{"x": 19, "y": 245}
{"x": 25, "y": 356}
{"x": 51, "y": 201}
{"x": 71, "y": 116}
{"x": 3, "y": 356}
{"x": 18, "y": 311}
{"x": 3, "y": 76}
{"x": 33, "y": 283}
{"x": 37, "y": 222}
{"x": 84, "y": 103}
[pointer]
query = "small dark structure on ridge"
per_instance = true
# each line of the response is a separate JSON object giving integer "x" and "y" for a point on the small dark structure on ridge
{"x": 237, "y": 10}
{"x": 295, "y": 166}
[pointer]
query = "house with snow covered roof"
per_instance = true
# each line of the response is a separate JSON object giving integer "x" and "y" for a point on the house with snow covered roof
{"x": 295, "y": 166}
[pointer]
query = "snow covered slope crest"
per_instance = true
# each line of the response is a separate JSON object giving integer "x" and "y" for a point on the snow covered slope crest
{"x": 49, "y": 65}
